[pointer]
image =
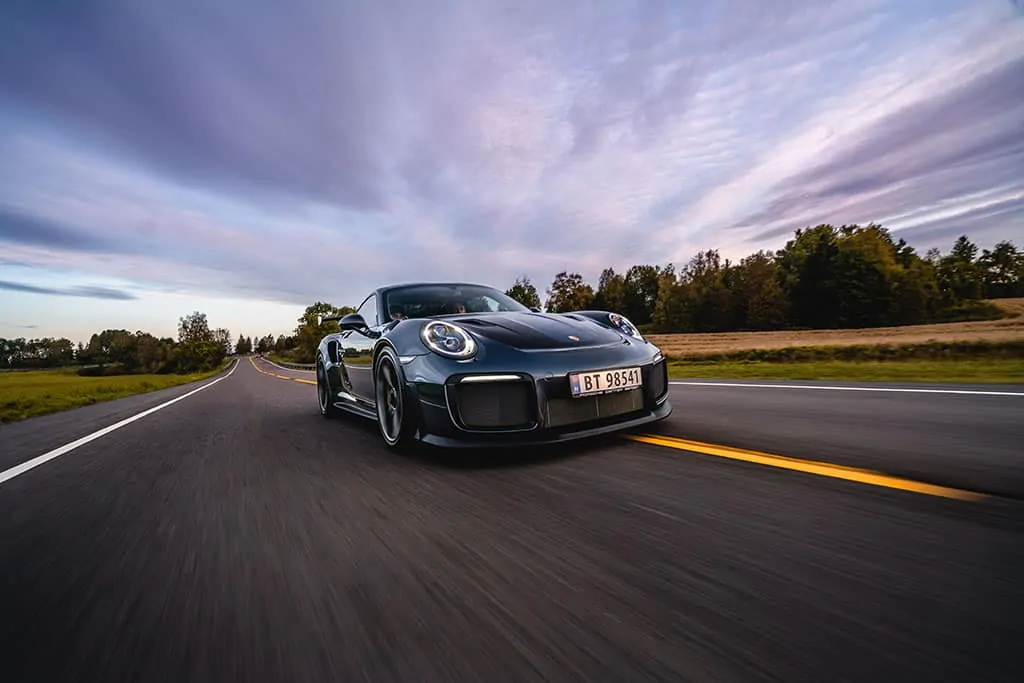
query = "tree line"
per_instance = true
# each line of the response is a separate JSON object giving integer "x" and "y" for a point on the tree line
{"x": 826, "y": 276}
{"x": 198, "y": 348}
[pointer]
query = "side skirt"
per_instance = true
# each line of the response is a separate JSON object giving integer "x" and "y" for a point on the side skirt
{"x": 356, "y": 410}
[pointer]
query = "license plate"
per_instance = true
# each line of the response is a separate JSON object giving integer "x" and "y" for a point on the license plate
{"x": 604, "y": 381}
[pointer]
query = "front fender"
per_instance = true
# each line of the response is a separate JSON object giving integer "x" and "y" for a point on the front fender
{"x": 606, "y": 319}
{"x": 403, "y": 337}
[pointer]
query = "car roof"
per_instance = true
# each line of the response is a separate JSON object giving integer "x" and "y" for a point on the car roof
{"x": 446, "y": 283}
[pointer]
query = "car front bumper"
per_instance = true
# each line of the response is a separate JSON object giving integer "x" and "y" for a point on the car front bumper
{"x": 497, "y": 408}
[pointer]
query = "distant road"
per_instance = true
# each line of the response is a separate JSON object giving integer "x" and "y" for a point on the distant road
{"x": 237, "y": 535}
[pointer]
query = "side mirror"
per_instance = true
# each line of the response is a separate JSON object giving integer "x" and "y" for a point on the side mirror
{"x": 352, "y": 321}
{"x": 535, "y": 309}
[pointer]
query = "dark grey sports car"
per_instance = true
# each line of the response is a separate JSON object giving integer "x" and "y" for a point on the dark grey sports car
{"x": 457, "y": 364}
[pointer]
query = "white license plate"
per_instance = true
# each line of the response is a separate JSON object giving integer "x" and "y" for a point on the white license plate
{"x": 604, "y": 381}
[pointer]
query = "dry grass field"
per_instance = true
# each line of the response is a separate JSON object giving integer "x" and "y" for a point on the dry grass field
{"x": 696, "y": 345}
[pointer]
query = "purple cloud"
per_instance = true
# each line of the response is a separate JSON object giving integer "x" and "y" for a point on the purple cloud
{"x": 951, "y": 145}
{"x": 90, "y": 292}
{"x": 314, "y": 150}
{"x": 16, "y": 228}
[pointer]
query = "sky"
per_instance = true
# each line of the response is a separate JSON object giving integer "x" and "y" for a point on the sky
{"x": 247, "y": 158}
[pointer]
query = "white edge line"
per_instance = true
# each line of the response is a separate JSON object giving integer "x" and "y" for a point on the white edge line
{"x": 57, "y": 452}
{"x": 966, "y": 392}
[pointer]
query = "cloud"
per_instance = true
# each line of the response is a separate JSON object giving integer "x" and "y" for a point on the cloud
{"x": 29, "y": 230}
{"x": 89, "y": 292}
{"x": 950, "y": 145}
{"x": 317, "y": 150}
{"x": 272, "y": 96}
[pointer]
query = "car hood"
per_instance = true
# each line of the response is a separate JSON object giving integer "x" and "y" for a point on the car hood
{"x": 532, "y": 331}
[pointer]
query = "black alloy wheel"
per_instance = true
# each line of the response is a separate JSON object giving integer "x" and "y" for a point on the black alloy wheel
{"x": 393, "y": 417}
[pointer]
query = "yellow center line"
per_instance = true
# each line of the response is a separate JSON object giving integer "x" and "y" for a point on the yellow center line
{"x": 781, "y": 461}
{"x": 808, "y": 466}
{"x": 257, "y": 369}
{"x": 274, "y": 374}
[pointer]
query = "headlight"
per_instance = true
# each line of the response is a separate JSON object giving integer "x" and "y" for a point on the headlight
{"x": 626, "y": 327}
{"x": 448, "y": 340}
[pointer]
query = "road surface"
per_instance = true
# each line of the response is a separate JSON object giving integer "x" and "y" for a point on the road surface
{"x": 235, "y": 535}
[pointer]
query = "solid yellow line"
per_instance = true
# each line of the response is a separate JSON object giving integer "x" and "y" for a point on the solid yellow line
{"x": 274, "y": 374}
{"x": 781, "y": 461}
{"x": 808, "y": 466}
{"x": 257, "y": 368}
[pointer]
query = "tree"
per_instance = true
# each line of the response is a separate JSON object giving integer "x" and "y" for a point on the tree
{"x": 865, "y": 276}
{"x": 194, "y": 328}
{"x": 310, "y": 331}
{"x": 569, "y": 292}
{"x": 759, "y": 300}
{"x": 611, "y": 292}
{"x": 808, "y": 266}
{"x": 825, "y": 276}
{"x": 199, "y": 348}
{"x": 701, "y": 294}
{"x": 243, "y": 345}
{"x": 1002, "y": 270}
{"x": 641, "y": 284}
{"x": 524, "y": 292}
{"x": 223, "y": 337}
{"x": 670, "y": 308}
{"x": 960, "y": 275}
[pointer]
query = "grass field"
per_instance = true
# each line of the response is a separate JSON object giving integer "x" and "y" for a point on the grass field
{"x": 1009, "y": 329}
{"x": 38, "y": 392}
{"x": 977, "y": 351}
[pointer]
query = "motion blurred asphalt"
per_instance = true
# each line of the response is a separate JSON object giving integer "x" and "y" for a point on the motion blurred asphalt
{"x": 238, "y": 536}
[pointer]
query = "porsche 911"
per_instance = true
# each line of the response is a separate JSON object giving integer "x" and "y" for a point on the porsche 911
{"x": 462, "y": 364}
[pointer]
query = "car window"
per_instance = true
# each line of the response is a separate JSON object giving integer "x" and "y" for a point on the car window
{"x": 422, "y": 301}
{"x": 368, "y": 310}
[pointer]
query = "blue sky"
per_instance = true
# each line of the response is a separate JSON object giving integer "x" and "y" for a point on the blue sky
{"x": 248, "y": 158}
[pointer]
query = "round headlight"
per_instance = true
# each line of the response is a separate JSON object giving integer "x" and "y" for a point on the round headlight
{"x": 625, "y": 326}
{"x": 448, "y": 340}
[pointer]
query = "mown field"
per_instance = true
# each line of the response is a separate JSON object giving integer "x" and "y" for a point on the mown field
{"x": 1009, "y": 329}
{"x": 977, "y": 351}
{"x": 38, "y": 392}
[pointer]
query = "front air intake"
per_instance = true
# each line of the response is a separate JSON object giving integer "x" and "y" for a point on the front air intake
{"x": 657, "y": 380}
{"x": 493, "y": 405}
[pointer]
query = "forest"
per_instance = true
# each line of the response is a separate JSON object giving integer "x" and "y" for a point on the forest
{"x": 824, "y": 277}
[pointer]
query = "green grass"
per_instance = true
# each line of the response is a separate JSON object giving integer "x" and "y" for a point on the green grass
{"x": 39, "y": 392}
{"x": 937, "y": 351}
{"x": 981, "y": 361}
{"x": 995, "y": 370}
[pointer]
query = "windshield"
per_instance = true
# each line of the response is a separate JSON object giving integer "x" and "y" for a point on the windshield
{"x": 424, "y": 301}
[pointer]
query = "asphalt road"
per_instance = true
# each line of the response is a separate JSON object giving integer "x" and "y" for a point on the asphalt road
{"x": 238, "y": 536}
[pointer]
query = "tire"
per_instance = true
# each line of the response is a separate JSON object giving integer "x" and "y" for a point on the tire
{"x": 396, "y": 417}
{"x": 323, "y": 393}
